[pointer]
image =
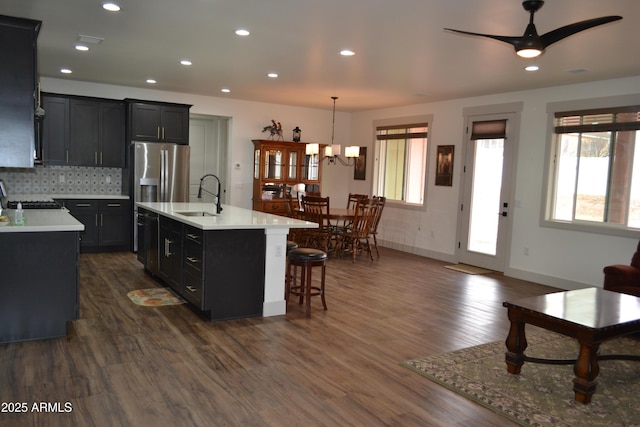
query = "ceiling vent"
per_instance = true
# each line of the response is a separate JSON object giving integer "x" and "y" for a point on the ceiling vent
{"x": 90, "y": 39}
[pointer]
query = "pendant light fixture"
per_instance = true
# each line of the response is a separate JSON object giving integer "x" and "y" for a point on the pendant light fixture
{"x": 332, "y": 152}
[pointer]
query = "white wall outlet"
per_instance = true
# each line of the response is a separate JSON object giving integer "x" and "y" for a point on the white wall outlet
{"x": 61, "y": 179}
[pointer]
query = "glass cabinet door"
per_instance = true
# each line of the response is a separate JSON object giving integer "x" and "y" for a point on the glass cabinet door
{"x": 256, "y": 164}
{"x": 310, "y": 168}
{"x": 292, "y": 173}
{"x": 273, "y": 164}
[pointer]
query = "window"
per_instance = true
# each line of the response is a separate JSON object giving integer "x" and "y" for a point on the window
{"x": 402, "y": 163}
{"x": 596, "y": 169}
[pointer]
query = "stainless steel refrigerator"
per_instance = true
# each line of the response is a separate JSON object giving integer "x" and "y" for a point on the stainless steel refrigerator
{"x": 160, "y": 173}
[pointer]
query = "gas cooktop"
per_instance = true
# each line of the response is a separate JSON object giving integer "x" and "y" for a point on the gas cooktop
{"x": 34, "y": 204}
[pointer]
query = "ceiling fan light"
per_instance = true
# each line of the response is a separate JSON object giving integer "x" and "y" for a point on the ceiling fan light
{"x": 529, "y": 53}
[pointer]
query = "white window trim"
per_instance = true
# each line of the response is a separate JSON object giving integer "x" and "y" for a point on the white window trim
{"x": 548, "y": 185}
{"x": 397, "y": 121}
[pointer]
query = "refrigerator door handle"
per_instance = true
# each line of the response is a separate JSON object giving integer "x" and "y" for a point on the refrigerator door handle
{"x": 163, "y": 175}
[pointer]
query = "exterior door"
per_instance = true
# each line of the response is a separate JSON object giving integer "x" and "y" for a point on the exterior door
{"x": 486, "y": 202}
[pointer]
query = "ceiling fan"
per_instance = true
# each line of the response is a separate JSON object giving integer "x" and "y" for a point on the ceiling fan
{"x": 531, "y": 45}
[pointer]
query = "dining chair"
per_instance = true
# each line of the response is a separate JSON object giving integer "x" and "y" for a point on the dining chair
{"x": 380, "y": 201}
{"x": 355, "y": 238}
{"x": 316, "y": 209}
{"x": 353, "y": 198}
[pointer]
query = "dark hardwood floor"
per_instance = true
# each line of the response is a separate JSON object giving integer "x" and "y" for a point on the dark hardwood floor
{"x": 127, "y": 365}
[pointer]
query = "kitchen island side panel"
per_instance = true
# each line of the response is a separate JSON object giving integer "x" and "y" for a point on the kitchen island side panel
{"x": 234, "y": 273}
{"x": 38, "y": 284}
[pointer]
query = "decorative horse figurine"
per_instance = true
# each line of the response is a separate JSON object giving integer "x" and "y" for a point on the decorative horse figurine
{"x": 275, "y": 130}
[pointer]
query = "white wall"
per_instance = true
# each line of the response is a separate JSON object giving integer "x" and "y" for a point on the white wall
{"x": 560, "y": 258}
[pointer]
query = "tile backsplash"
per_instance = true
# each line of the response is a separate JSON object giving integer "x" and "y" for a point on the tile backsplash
{"x": 62, "y": 180}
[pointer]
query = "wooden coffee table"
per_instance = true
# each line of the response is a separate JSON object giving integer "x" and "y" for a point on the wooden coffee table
{"x": 589, "y": 315}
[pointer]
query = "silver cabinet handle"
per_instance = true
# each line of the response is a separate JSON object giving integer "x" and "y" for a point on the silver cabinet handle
{"x": 191, "y": 288}
{"x": 192, "y": 259}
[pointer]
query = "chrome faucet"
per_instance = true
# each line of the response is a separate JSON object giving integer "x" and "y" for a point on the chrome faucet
{"x": 217, "y": 196}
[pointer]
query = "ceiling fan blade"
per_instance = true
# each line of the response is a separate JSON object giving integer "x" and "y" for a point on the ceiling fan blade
{"x": 568, "y": 30}
{"x": 511, "y": 40}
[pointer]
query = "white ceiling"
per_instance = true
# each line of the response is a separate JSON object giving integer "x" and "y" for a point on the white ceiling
{"x": 403, "y": 55}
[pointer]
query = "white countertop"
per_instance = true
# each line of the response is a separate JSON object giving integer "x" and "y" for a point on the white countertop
{"x": 39, "y": 220}
{"x": 231, "y": 218}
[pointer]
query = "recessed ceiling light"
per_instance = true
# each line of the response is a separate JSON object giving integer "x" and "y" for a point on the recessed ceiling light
{"x": 225, "y": 90}
{"x": 532, "y": 68}
{"x": 151, "y": 81}
{"x": 242, "y": 32}
{"x": 347, "y": 52}
{"x": 82, "y": 48}
{"x": 65, "y": 71}
{"x": 185, "y": 62}
{"x": 273, "y": 75}
{"x": 111, "y": 7}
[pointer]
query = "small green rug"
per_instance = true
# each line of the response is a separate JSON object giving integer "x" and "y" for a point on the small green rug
{"x": 542, "y": 395}
{"x": 155, "y": 297}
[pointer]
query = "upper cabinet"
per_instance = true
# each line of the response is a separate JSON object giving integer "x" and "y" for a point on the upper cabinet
{"x": 158, "y": 122}
{"x": 278, "y": 165}
{"x": 81, "y": 131}
{"x": 18, "y": 86}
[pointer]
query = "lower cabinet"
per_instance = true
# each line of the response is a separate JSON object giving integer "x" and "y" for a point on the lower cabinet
{"x": 219, "y": 272}
{"x": 170, "y": 253}
{"x": 39, "y": 284}
{"x": 106, "y": 223}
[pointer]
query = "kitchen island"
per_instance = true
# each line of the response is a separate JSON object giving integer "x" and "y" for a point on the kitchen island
{"x": 39, "y": 275}
{"x": 228, "y": 265}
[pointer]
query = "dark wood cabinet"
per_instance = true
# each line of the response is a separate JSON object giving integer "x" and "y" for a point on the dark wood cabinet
{"x": 55, "y": 130}
{"x": 106, "y": 223}
{"x": 281, "y": 164}
{"x": 193, "y": 261}
{"x": 18, "y": 88}
{"x": 83, "y": 126}
{"x": 79, "y": 131}
{"x": 158, "y": 122}
{"x": 203, "y": 266}
{"x": 39, "y": 284}
{"x": 111, "y": 128}
{"x": 170, "y": 254}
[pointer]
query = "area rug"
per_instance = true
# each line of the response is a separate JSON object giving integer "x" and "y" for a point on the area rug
{"x": 155, "y": 297}
{"x": 469, "y": 269}
{"x": 542, "y": 395}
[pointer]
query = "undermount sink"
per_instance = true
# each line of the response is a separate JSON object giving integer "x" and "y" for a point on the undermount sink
{"x": 196, "y": 213}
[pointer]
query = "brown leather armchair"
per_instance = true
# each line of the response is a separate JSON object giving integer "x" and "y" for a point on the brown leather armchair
{"x": 624, "y": 278}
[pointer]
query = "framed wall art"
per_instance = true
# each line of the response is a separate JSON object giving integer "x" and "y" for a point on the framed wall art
{"x": 444, "y": 165}
{"x": 360, "y": 168}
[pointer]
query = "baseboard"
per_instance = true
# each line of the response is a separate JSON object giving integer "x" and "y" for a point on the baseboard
{"x": 529, "y": 276}
{"x": 543, "y": 279}
{"x": 418, "y": 251}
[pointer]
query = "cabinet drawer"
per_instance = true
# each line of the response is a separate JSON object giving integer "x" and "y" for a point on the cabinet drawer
{"x": 193, "y": 235}
{"x": 106, "y": 205}
{"x": 81, "y": 205}
{"x": 193, "y": 288}
{"x": 193, "y": 255}
{"x": 274, "y": 207}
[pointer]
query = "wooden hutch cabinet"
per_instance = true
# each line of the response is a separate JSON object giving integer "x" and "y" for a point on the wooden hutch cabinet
{"x": 278, "y": 166}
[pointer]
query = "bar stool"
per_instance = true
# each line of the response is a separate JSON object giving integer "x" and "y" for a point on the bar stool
{"x": 306, "y": 259}
{"x": 291, "y": 245}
